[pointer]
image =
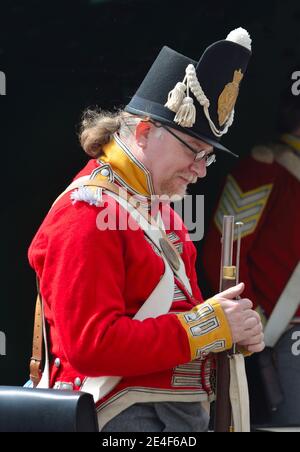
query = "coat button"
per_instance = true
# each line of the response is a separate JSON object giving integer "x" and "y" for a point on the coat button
{"x": 77, "y": 381}
{"x": 57, "y": 362}
{"x": 105, "y": 172}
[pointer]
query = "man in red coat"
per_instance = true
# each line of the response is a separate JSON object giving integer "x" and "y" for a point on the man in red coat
{"x": 116, "y": 267}
{"x": 263, "y": 192}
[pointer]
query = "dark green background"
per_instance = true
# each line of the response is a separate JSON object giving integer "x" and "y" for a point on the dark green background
{"x": 60, "y": 57}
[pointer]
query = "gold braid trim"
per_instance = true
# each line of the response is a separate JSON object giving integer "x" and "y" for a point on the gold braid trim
{"x": 207, "y": 329}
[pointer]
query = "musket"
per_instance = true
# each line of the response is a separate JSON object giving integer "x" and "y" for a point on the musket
{"x": 228, "y": 361}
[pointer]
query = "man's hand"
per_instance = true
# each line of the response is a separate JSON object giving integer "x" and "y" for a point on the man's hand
{"x": 246, "y": 327}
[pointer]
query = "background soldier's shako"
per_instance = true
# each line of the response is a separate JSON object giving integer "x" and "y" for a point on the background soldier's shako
{"x": 197, "y": 98}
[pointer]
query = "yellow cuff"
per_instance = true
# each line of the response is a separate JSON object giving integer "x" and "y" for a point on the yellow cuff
{"x": 207, "y": 329}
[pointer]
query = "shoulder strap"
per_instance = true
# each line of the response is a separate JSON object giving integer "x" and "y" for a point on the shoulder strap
{"x": 37, "y": 342}
{"x": 39, "y": 377}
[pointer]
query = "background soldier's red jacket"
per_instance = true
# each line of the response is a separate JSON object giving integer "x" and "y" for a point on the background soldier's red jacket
{"x": 263, "y": 192}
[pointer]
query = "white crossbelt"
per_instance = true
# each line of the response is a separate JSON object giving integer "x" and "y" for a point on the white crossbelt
{"x": 284, "y": 310}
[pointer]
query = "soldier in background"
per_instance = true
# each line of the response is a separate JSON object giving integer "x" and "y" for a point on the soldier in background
{"x": 263, "y": 192}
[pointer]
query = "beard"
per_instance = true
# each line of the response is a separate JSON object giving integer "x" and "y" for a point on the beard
{"x": 175, "y": 188}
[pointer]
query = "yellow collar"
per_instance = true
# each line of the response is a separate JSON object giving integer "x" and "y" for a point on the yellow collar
{"x": 292, "y": 141}
{"x": 127, "y": 169}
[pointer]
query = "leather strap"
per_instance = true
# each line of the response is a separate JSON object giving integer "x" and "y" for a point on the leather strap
{"x": 37, "y": 342}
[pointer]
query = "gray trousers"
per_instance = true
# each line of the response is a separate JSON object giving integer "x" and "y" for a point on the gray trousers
{"x": 288, "y": 365}
{"x": 160, "y": 417}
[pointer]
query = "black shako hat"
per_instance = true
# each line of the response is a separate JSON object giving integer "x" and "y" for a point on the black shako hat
{"x": 197, "y": 98}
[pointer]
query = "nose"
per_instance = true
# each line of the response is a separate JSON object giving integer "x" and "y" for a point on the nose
{"x": 198, "y": 167}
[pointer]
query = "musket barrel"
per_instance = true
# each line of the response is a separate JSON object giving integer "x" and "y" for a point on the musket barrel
{"x": 228, "y": 239}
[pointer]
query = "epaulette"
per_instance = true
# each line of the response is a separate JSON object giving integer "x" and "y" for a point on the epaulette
{"x": 291, "y": 162}
{"x": 280, "y": 153}
{"x": 263, "y": 154}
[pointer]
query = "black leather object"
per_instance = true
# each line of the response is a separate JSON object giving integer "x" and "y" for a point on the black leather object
{"x": 46, "y": 410}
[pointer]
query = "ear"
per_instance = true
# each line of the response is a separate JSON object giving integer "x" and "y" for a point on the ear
{"x": 142, "y": 132}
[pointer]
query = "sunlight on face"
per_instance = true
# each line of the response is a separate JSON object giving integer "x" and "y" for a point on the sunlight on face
{"x": 172, "y": 164}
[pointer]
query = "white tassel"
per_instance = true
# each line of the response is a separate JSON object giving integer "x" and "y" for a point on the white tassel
{"x": 175, "y": 97}
{"x": 186, "y": 115}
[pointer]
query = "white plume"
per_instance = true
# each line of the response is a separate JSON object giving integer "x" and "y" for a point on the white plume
{"x": 240, "y": 36}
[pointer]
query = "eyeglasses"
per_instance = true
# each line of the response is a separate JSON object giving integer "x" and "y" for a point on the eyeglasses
{"x": 199, "y": 155}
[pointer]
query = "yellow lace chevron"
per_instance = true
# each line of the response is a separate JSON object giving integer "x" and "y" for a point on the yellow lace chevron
{"x": 247, "y": 206}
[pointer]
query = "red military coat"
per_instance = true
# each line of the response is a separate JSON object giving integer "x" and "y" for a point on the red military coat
{"x": 94, "y": 281}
